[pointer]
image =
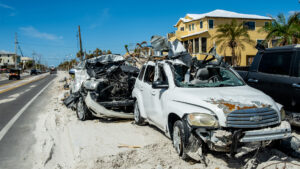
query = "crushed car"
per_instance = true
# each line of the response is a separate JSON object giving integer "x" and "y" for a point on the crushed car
{"x": 205, "y": 104}
{"x": 102, "y": 88}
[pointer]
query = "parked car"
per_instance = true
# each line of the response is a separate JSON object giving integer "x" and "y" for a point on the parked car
{"x": 33, "y": 72}
{"x": 53, "y": 70}
{"x": 102, "y": 88}
{"x": 205, "y": 106}
{"x": 276, "y": 72}
{"x": 14, "y": 74}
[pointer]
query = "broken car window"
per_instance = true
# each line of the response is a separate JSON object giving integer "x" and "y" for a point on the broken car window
{"x": 162, "y": 75}
{"x": 149, "y": 75}
{"x": 142, "y": 72}
{"x": 206, "y": 77}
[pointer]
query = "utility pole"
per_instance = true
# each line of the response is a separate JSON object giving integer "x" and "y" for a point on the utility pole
{"x": 80, "y": 43}
{"x": 16, "y": 50}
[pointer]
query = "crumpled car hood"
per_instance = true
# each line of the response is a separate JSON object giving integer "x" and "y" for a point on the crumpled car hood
{"x": 226, "y": 99}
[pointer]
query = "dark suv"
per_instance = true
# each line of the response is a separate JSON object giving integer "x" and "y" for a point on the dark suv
{"x": 276, "y": 72}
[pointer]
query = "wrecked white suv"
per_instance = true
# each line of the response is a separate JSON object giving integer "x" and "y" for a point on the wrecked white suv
{"x": 209, "y": 106}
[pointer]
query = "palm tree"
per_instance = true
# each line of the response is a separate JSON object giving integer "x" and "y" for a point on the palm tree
{"x": 287, "y": 32}
{"x": 232, "y": 35}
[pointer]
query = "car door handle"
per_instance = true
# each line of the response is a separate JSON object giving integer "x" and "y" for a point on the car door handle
{"x": 253, "y": 80}
{"x": 153, "y": 92}
{"x": 296, "y": 85}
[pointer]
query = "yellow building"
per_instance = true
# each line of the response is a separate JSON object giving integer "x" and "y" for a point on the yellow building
{"x": 198, "y": 30}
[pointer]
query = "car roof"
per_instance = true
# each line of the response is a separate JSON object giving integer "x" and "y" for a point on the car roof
{"x": 175, "y": 61}
{"x": 287, "y": 47}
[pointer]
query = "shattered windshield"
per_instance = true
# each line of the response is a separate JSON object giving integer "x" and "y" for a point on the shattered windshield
{"x": 205, "y": 77}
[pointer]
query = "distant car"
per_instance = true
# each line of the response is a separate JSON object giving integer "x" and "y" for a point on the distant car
{"x": 33, "y": 72}
{"x": 14, "y": 74}
{"x": 53, "y": 70}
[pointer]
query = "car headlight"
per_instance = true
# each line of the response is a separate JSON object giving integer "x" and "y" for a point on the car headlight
{"x": 282, "y": 114}
{"x": 202, "y": 120}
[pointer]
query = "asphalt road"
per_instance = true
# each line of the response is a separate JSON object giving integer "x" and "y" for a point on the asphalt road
{"x": 9, "y": 81}
{"x": 16, "y": 143}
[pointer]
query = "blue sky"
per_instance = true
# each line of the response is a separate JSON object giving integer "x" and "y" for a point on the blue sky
{"x": 49, "y": 27}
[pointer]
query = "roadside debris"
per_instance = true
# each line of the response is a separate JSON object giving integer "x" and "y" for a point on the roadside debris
{"x": 128, "y": 146}
{"x": 102, "y": 88}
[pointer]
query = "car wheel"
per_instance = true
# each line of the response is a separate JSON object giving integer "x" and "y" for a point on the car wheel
{"x": 137, "y": 114}
{"x": 81, "y": 110}
{"x": 178, "y": 137}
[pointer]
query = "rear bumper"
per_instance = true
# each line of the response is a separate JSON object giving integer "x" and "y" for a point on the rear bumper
{"x": 280, "y": 132}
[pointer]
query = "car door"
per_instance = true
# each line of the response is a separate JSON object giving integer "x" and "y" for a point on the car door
{"x": 273, "y": 76}
{"x": 139, "y": 81}
{"x": 157, "y": 96}
{"x": 146, "y": 88}
{"x": 295, "y": 107}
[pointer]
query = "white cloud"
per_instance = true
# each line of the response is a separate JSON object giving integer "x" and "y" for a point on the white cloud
{"x": 32, "y": 32}
{"x": 6, "y": 6}
{"x": 10, "y": 8}
{"x": 292, "y": 12}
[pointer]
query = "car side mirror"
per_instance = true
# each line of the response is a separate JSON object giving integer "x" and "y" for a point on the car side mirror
{"x": 159, "y": 85}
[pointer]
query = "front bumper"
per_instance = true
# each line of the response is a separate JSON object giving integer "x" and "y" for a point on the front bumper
{"x": 272, "y": 133}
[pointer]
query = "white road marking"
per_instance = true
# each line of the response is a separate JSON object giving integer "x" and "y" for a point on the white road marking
{"x": 15, "y": 118}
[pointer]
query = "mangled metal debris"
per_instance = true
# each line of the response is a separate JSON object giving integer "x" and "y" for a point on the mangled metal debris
{"x": 104, "y": 83}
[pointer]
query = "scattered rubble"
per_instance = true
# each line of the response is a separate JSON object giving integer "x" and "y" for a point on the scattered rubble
{"x": 62, "y": 141}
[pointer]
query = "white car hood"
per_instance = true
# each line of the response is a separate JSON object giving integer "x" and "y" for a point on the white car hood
{"x": 223, "y": 100}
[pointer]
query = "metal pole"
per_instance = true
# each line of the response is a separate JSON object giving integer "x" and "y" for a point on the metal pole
{"x": 16, "y": 50}
{"x": 80, "y": 43}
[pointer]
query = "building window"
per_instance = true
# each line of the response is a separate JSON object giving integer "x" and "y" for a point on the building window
{"x": 193, "y": 26}
{"x": 203, "y": 44}
{"x": 181, "y": 28}
{"x": 250, "y": 59}
{"x": 197, "y": 45}
{"x": 249, "y": 25}
{"x": 190, "y": 27}
{"x": 211, "y": 24}
{"x": 266, "y": 23}
{"x": 201, "y": 24}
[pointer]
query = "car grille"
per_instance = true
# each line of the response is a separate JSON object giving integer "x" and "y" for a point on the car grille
{"x": 252, "y": 118}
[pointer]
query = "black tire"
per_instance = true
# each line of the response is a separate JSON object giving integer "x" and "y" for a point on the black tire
{"x": 82, "y": 111}
{"x": 138, "y": 119}
{"x": 178, "y": 137}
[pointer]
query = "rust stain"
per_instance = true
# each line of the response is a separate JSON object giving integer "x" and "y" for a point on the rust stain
{"x": 229, "y": 106}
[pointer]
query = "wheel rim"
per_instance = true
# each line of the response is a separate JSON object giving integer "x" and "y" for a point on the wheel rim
{"x": 80, "y": 110}
{"x": 136, "y": 112}
{"x": 177, "y": 140}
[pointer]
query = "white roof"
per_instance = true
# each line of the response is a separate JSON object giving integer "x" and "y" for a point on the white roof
{"x": 222, "y": 14}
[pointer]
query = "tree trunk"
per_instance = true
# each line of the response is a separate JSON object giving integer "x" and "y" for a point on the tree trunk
{"x": 232, "y": 56}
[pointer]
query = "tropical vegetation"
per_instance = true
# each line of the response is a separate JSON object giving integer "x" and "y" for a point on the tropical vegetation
{"x": 234, "y": 36}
